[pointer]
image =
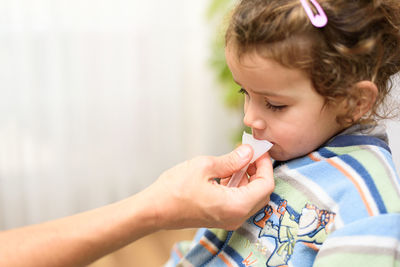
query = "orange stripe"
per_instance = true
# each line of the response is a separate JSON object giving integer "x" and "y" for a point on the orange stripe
{"x": 364, "y": 199}
{"x": 207, "y": 246}
{"x": 312, "y": 246}
{"x": 312, "y": 157}
{"x": 225, "y": 260}
{"x": 351, "y": 178}
{"x": 176, "y": 249}
{"x": 213, "y": 252}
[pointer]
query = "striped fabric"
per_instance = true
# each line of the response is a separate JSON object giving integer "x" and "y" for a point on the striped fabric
{"x": 338, "y": 206}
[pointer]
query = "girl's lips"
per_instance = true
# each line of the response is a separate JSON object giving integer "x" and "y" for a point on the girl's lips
{"x": 256, "y": 137}
{"x": 259, "y": 136}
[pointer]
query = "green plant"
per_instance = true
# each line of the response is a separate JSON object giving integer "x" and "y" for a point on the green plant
{"x": 217, "y": 15}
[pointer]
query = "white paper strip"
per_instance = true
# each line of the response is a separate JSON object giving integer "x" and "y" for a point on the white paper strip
{"x": 259, "y": 147}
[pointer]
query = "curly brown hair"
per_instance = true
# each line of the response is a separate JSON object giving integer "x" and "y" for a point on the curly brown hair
{"x": 360, "y": 42}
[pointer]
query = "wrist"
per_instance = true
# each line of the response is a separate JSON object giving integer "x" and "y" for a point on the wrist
{"x": 145, "y": 212}
{"x": 160, "y": 214}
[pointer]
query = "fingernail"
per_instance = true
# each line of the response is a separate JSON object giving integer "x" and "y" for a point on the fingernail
{"x": 243, "y": 151}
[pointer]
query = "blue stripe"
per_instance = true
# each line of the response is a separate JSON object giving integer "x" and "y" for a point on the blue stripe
{"x": 199, "y": 234}
{"x": 303, "y": 255}
{"x": 299, "y": 162}
{"x": 199, "y": 255}
{"x": 217, "y": 241}
{"x": 386, "y": 225}
{"x": 326, "y": 153}
{"x": 336, "y": 185}
{"x": 357, "y": 140}
{"x": 234, "y": 255}
{"x": 214, "y": 239}
{"x": 368, "y": 180}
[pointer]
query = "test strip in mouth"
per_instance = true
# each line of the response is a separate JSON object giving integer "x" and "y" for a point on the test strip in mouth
{"x": 259, "y": 148}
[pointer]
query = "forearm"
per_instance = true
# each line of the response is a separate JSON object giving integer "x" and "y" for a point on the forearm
{"x": 79, "y": 239}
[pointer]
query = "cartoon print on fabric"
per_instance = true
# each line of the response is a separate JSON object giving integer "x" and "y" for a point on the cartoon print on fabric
{"x": 287, "y": 228}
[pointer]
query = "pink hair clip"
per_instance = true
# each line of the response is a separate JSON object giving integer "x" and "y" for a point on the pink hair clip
{"x": 320, "y": 19}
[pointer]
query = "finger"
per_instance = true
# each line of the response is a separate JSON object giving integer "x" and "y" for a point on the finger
{"x": 224, "y": 181}
{"x": 244, "y": 181}
{"x": 226, "y": 165}
{"x": 259, "y": 190}
{"x": 264, "y": 169}
{"x": 251, "y": 170}
{"x": 262, "y": 183}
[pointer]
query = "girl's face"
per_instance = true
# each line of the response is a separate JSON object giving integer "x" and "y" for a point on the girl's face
{"x": 281, "y": 106}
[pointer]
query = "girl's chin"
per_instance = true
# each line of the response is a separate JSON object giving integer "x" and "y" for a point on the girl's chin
{"x": 278, "y": 154}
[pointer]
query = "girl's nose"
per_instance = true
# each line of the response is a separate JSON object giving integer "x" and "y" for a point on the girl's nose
{"x": 252, "y": 117}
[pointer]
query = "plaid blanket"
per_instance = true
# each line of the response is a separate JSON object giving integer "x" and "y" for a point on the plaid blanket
{"x": 337, "y": 206}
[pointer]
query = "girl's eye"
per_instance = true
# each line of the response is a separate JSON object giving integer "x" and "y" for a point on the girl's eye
{"x": 274, "y": 107}
{"x": 243, "y": 91}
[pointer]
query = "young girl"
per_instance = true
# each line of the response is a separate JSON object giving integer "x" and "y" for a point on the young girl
{"x": 315, "y": 76}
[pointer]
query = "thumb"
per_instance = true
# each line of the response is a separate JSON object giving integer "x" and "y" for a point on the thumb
{"x": 230, "y": 163}
{"x": 261, "y": 184}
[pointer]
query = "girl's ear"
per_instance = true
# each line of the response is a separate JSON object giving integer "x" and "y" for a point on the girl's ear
{"x": 367, "y": 93}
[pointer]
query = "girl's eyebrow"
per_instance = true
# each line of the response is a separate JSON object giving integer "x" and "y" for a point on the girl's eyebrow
{"x": 258, "y": 93}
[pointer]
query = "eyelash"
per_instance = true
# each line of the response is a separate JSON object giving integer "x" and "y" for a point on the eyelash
{"x": 242, "y": 91}
{"x": 267, "y": 104}
{"x": 274, "y": 108}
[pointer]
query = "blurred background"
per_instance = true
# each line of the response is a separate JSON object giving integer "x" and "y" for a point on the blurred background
{"x": 98, "y": 98}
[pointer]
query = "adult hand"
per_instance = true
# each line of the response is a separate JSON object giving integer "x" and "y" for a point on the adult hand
{"x": 188, "y": 196}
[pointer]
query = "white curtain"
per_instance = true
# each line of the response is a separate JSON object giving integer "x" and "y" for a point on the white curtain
{"x": 98, "y": 97}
